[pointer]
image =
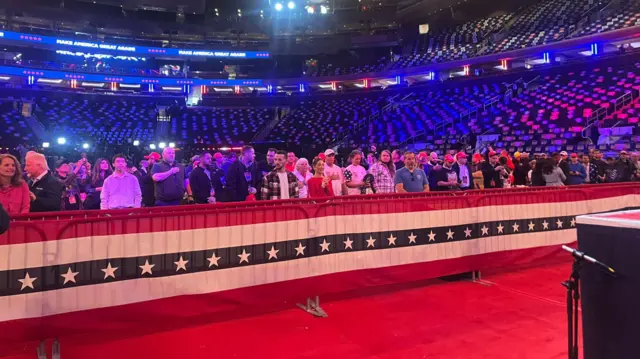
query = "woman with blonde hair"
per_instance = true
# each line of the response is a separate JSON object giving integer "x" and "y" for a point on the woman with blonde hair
{"x": 303, "y": 175}
{"x": 14, "y": 191}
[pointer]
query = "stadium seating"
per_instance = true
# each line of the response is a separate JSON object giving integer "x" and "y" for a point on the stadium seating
{"x": 544, "y": 22}
{"x": 220, "y": 126}
{"x": 626, "y": 16}
{"x": 98, "y": 118}
{"x": 320, "y": 121}
{"x": 452, "y": 44}
{"x": 13, "y": 127}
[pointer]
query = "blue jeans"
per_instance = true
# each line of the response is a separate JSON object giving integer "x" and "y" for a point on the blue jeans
{"x": 160, "y": 203}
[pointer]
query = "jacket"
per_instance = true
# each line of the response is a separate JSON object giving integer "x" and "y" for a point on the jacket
{"x": 492, "y": 178}
{"x": 521, "y": 172}
{"x": 146, "y": 187}
{"x": 271, "y": 186}
{"x": 201, "y": 184}
{"x": 456, "y": 167}
{"x": 48, "y": 193}
{"x": 239, "y": 178}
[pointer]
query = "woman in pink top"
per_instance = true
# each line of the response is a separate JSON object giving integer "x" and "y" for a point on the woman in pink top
{"x": 14, "y": 192}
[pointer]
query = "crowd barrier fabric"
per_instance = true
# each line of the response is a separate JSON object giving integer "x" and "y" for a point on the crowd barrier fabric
{"x": 116, "y": 267}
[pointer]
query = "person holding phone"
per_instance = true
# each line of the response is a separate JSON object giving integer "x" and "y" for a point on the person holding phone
{"x": 577, "y": 172}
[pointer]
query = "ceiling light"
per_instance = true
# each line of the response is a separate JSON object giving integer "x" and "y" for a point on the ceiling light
{"x": 291, "y": 5}
{"x": 278, "y": 7}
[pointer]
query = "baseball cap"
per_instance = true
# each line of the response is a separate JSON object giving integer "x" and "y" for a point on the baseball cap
{"x": 461, "y": 155}
{"x": 493, "y": 153}
{"x": 153, "y": 155}
{"x": 574, "y": 155}
{"x": 623, "y": 152}
{"x": 322, "y": 156}
{"x": 564, "y": 153}
{"x": 517, "y": 154}
{"x": 329, "y": 152}
{"x": 449, "y": 158}
{"x": 217, "y": 155}
{"x": 422, "y": 156}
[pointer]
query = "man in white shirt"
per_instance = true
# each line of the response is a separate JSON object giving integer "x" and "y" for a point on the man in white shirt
{"x": 121, "y": 189}
{"x": 334, "y": 173}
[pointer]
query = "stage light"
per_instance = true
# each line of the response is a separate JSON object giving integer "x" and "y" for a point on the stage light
{"x": 323, "y": 9}
{"x": 136, "y": 143}
{"x": 278, "y": 7}
{"x": 152, "y": 146}
{"x": 310, "y": 10}
{"x": 45, "y": 145}
{"x": 62, "y": 140}
{"x": 162, "y": 145}
{"x": 291, "y": 5}
{"x": 172, "y": 145}
{"x": 85, "y": 145}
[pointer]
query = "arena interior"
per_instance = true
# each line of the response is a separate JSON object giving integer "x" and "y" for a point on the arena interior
{"x": 189, "y": 178}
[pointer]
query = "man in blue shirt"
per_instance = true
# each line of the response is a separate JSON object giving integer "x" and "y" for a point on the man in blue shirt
{"x": 577, "y": 172}
{"x": 410, "y": 179}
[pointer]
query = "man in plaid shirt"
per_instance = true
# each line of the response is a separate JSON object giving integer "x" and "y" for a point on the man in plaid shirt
{"x": 280, "y": 184}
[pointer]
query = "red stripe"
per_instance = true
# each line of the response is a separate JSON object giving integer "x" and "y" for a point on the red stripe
{"x": 138, "y": 319}
{"x": 27, "y": 229}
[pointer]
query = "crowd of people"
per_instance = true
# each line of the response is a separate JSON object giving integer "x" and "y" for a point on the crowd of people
{"x": 160, "y": 180}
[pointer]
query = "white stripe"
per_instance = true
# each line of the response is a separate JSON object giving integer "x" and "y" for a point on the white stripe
{"x": 139, "y": 290}
{"x": 607, "y": 221}
{"x": 73, "y": 250}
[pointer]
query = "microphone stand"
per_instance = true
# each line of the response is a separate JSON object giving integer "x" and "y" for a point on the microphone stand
{"x": 573, "y": 302}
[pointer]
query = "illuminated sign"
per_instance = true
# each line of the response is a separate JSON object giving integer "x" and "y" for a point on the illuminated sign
{"x": 93, "y": 77}
{"x": 130, "y": 49}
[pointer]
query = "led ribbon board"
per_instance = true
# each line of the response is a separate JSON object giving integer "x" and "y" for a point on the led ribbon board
{"x": 65, "y": 44}
{"x": 175, "y": 81}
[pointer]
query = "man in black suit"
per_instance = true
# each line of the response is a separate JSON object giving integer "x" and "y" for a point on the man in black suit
{"x": 243, "y": 176}
{"x": 45, "y": 189}
{"x": 463, "y": 171}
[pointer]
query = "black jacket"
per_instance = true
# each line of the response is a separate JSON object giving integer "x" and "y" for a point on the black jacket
{"x": 491, "y": 175}
{"x": 456, "y": 167}
{"x": 146, "y": 187}
{"x": 237, "y": 184}
{"x": 48, "y": 193}
{"x": 201, "y": 185}
{"x": 4, "y": 220}
{"x": 521, "y": 172}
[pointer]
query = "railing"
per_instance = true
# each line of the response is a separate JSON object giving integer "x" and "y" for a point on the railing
{"x": 334, "y": 245}
{"x": 623, "y": 101}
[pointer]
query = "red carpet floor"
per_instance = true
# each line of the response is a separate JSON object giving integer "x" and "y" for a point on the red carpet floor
{"x": 515, "y": 314}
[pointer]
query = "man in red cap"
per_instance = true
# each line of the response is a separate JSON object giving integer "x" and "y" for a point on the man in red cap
{"x": 145, "y": 180}
{"x": 446, "y": 177}
{"x": 463, "y": 171}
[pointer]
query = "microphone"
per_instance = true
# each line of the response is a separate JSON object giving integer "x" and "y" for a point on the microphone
{"x": 580, "y": 255}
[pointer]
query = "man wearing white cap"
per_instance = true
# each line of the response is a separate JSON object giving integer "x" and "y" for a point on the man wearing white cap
{"x": 334, "y": 172}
